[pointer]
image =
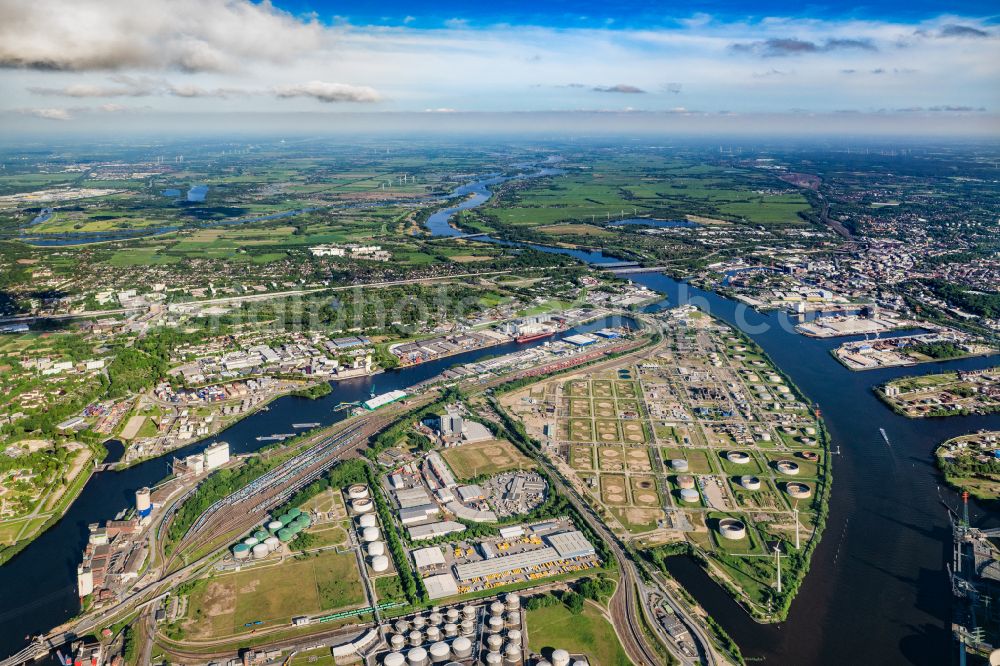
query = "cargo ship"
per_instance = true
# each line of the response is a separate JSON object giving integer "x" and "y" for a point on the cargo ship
{"x": 528, "y": 337}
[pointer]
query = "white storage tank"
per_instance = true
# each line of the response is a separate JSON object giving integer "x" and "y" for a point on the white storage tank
{"x": 440, "y": 652}
{"x": 514, "y": 636}
{"x": 419, "y": 621}
{"x": 380, "y": 563}
{"x": 462, "y": 647}
{"x": 560, "y": 657}
{"x": 433, "y": 633}
{"x": 496, "y": 608}
{"x": 260, "y": 551}
{"x": 272, "y": 543}
{"x": 750, "y": 482}
{"x": 469, "y": 612}
{"x": 493, "y": 659}
{"x": 679, "y": 465}
{"x": 451, "y": 614}
{"x": 580, "y": 662}
{"x": 376, "y": 548}
{"x": 402, "y": 626}
{"x": 451, "y": 630}
{"x": 367, "y": 520}
{"x": 512, "y": 601}
{"x": 416, "y": 638}
{"x": 362, "y": 506}
{"x": 496, "y": 623}
{"x": 512, "y": 653}
{"x": 250, "y": 541}
{"x": 397, "y": 641}
{"x": 417, "y": 656}
{"x": 494, "y": 642}
{"x": 435, "y": 618}
{"x": 468, "y": 627}
{"x": 689, "y": 495}
{"x": 369, "y": 534}
{"x": 394, "y": 659}
{"x": 514, "y": 619}
{"x": 357, "y": 491}
{"x": 275, "y": 525}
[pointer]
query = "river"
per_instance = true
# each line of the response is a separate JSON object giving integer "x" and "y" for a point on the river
{"x": 877, "y": 591}
{"x": 38, "y": 585}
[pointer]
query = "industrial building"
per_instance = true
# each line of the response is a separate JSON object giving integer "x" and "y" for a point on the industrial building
{"x": 216, "y": 455}
{"x": 432, "y": 530}
{"x": 441, "y": 586}
{"x": 427, "y": 558}
{"x": 563, "y": 546}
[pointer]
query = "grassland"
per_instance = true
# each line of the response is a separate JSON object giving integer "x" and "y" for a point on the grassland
{"x": 469, "y": 461}
{"x": 588, "y": 633}
{"x": 222, "y": 605}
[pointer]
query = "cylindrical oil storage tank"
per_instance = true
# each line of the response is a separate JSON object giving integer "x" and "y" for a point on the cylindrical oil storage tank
{"x": 493, "y": 659}
{"x": 732, "y": 529}
{"x": 260, "y": 551}
{"x": 462, "y": 647}
{"x": 433, "y": 633}
{"x": 362, "y": 506}
{"x": 512, "y": 601}
{"x": 560, "y": 657}
{"x": 285, "y": 534}
{"x": 416, "y": 638}
{"x": 380, "y": 563}
{"x": 469, "y": 612}
{"x": 750, "y": 482}
{"x": 514, "y": 636}
{"x": 685, "y": 481}
{"x": 250, "y": 542}
{"x": 275, "y": 525}
{"x": 679, "y": 465}
{"x": 452, "y": 614}
{"x": 419, "y": 621}
{"x": 367, "y": 520}
{"x": 494, "y": 642}
{"x": 468, "y": 627}
{"x": 451, "y": 630}
{"x": 440, "y": 652}
{"x": 435, "y": 618}
{"x": 580, "y": 662}
{"x": 370, "y": 534}
{"x": 496, "y": 623}
{"x": 789, "y": 467}
{"x": 738, "y": 457}
{"x": 512, "y": 653}
{"x": 397, "y": 641}
{"x": 689, "y": 495}
{"x": 416, "y": 657}
{"x": 401, "y": 626}
{"x": 272, "y": 543}
{"x": 260, "y": 535}
{"x": 496, "y": 608}
{"x": 376, "y": 548}
{"x": 241, "y": 551}
{"x": 394, "y": 659}
{"x": 357, "y": 491}
{"x": 811, "y": 456}
{"x": 514, "y": 619}
{"x": 798, "y": 490}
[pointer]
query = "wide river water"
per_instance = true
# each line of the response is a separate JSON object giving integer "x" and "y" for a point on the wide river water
{"x": 877, "y": 591}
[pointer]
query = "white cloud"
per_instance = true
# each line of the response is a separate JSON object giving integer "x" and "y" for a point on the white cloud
{"x": 188, "y": 35}
{"x": 48, "y": 114}
{"x": 329, "y": 92}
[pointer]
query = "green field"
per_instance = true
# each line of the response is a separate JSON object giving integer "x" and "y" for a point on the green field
{"x": 588, "y": 633}
{"x": 273, "y": 594}
{"x": 492, "y": 457}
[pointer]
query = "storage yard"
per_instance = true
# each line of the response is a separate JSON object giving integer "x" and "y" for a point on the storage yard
{"x": 705, "y": 442}
{"x": 909, "y": 350}
{"x": 946, "y": 394}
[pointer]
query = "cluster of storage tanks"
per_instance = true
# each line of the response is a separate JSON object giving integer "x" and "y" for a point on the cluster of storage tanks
{"x": 367, "y": 528}
{"x": 450, "y": 635}
{"x": 263, "y": 542}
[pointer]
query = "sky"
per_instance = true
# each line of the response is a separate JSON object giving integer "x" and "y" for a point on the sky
{"x": 88, "y": 64}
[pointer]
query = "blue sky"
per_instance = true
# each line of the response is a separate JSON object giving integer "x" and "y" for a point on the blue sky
{"x": 72, "y": 60}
